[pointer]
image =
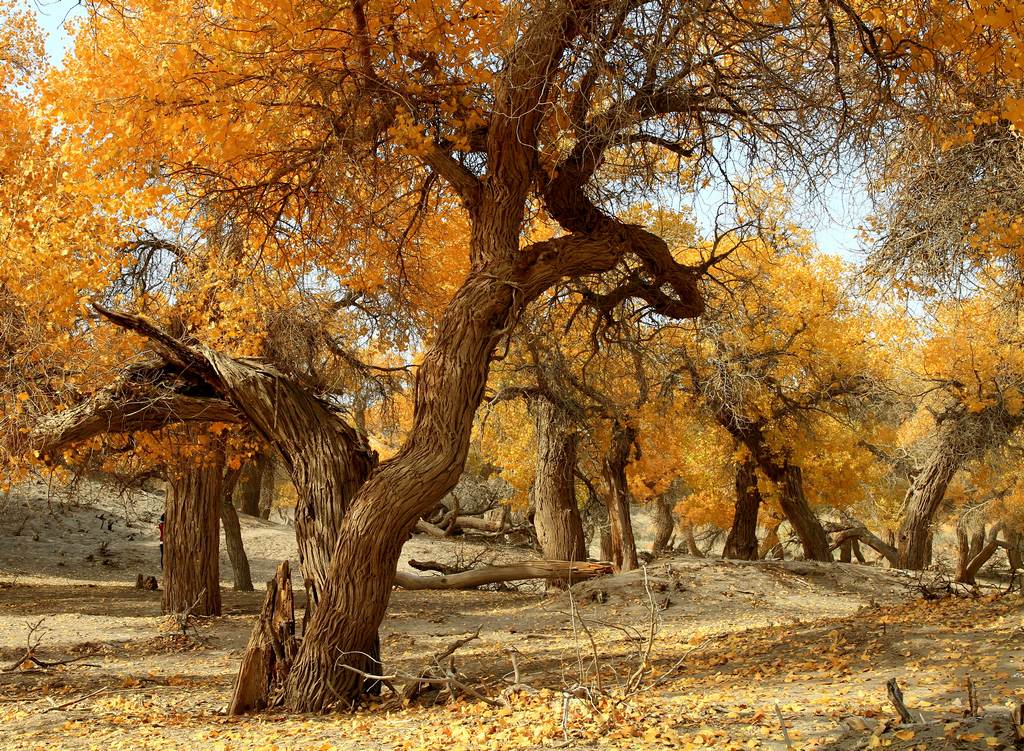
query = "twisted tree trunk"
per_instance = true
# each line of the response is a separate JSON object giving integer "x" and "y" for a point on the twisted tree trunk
{"x": 620, "y": 525}
{"x": 192, "y": 537}
{"x": 556, "y": 512}
{"x": 801, "y": 516}
{"x": 922, "y": 502}
{"x": 741, "y": 543}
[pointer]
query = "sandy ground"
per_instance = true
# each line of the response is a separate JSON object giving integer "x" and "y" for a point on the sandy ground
{"x": 735, "y": 646}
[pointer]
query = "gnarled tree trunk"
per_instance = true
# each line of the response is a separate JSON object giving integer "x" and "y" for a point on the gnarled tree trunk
{"x": 192, "y": 537}
{"x": 741, "y": 543}
{"x": 556, "y": 512}
{"x": 923, "y": 500}
{"x": 620, "y": 524}
{"x": 801, "y": 516}
{"x": 233, "y": 534}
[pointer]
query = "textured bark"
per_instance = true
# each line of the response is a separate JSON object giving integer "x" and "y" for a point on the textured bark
{"x": 233, "y": 534}
{"x": 846, "y": 551}
{"x": 556, "y": 513}
{"x": 664, "y": 525}
{"x": 620, "y": 525}
{"x": 741, "y": 543}
{"x": 924, "y": 497}
{"x": 801, "y": 517}
{"x": 247, "y": 494}
{"x": 126, "y": 407}
{"x": 192, "y": 538}
{"x": 271, "y": 648}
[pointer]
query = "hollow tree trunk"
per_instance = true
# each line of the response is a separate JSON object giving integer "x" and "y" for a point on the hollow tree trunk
{"x": 192, "y": 537}
{"x": 617, "y": 499}
{"x": 664, "y": 525}
{"x": 247, "y": 492}
{"x": 741, "y": 543}
{"x": 922, "y": 502}
{"x": 233, "y": 534}
{"x": 556, "y": 512}
{"x": 801, "y": 516}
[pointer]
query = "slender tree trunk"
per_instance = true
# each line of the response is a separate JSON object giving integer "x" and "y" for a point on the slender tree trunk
{"x": 233, "y": 534}
{"x": 846, "y": 551}
{"x": 1015, "y": 550}
{"x": 556, "y": 512}
{"x": 268, "y": 486}
{"x": 691, "y": 543}
{"x": 664, "y": 524}
{"x": 801, "y": 517}
{"x": 741, "y": 543}
{"x": 975, "y": 548}
{"x": 923, "y": 500}
{"x": 617, "y": 499}
{"x": 770, "y": 541}
{"x": 247, "y": 492}
{"x": 192, "y": 538}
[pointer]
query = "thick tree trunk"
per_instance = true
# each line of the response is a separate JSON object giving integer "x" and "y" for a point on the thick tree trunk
{"x": 801, "y": 516}
{"x": 556, "y": 512}
{"x": 247, "y": 492}
{"x": 923, "y": 500}
{"x": 664, "y": 525}
{"x": 192, "y": 537}
{"x": 741, "y": 543}
{"x": 233, "y": 534}
{"x": 617, "y": 499}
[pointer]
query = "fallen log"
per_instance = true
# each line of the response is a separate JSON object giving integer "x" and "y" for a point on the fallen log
{"x": 864, "y": 535}
{"x": 569, "y": 570}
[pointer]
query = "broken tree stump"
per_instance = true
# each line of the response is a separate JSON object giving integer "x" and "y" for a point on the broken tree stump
{"x": 271, "y": 649}
{"x": 892, "y": 688}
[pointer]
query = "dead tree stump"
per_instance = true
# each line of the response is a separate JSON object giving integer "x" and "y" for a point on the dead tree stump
{"x": 271, "y": 649}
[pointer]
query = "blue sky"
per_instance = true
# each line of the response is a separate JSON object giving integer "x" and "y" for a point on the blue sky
{"x": 833, "y": 218}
